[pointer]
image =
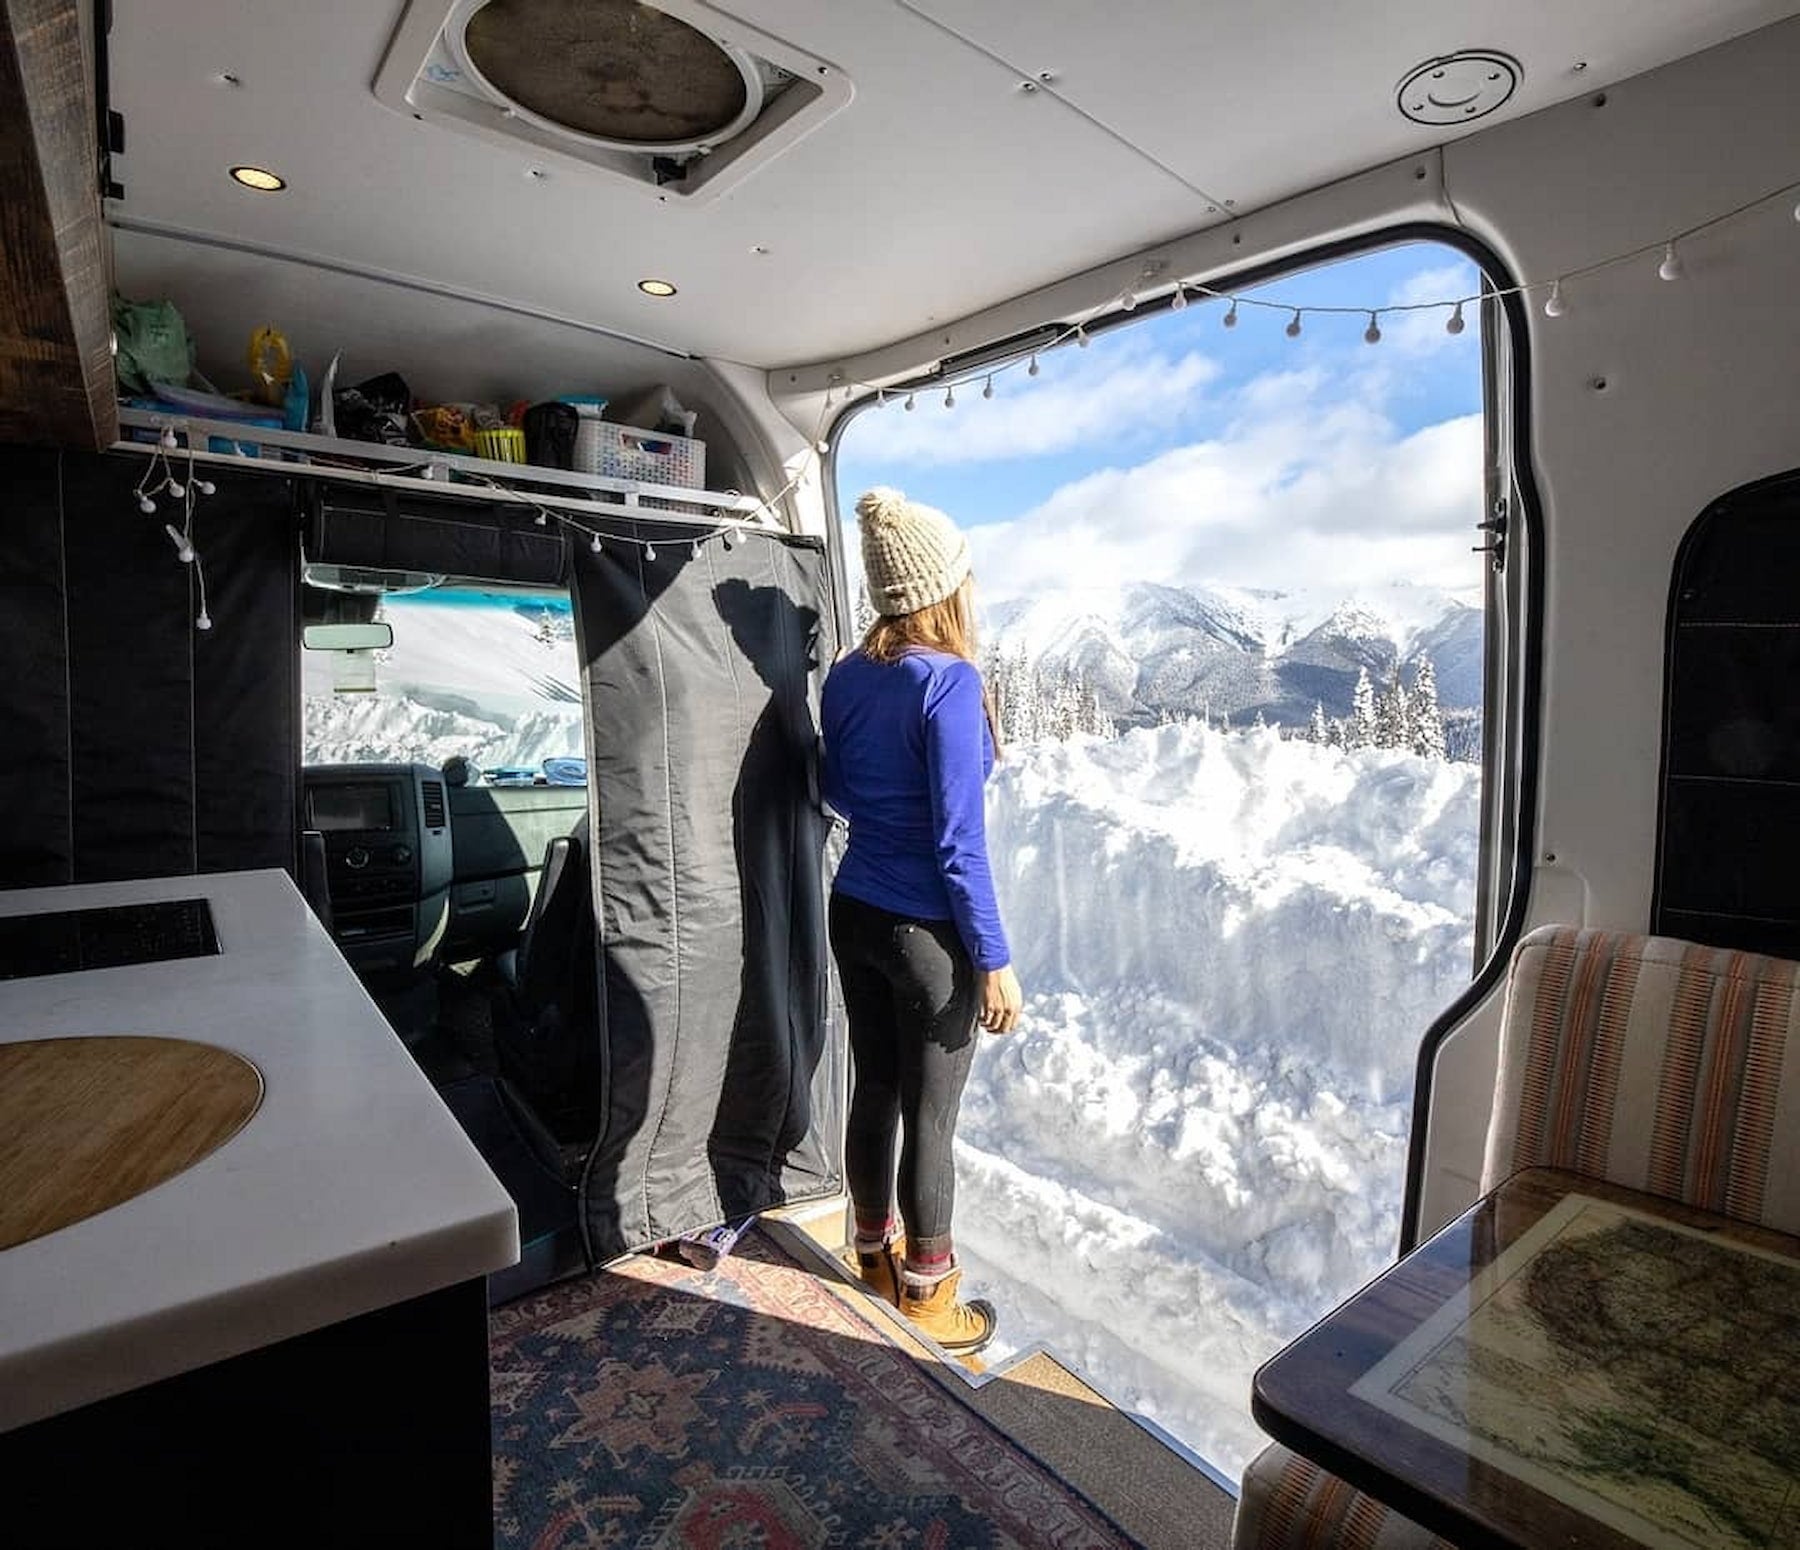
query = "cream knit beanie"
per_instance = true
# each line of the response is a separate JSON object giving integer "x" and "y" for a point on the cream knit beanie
{"x": 913, "y": 555}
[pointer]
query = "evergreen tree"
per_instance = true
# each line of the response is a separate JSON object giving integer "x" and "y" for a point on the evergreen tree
{"x": 1393, "y": 716}
{"x": 1317, "y": 730}
{"x": 1428, "y": 733}
{"x": 1361, "y": 732}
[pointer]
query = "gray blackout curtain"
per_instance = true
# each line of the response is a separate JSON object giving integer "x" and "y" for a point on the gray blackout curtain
{"x": 724, "y": 1088}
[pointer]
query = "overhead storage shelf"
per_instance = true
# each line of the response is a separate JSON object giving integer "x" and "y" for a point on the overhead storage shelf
{"x": 425, "y": 470}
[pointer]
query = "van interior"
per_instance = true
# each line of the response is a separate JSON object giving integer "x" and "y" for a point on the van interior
{"x": 424, "y": 537}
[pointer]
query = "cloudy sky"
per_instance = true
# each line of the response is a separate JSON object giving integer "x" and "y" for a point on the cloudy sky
{"x": 1177, "y": 450}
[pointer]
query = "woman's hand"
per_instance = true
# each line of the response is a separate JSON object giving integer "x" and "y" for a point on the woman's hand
{"x": 1001, "y": 999}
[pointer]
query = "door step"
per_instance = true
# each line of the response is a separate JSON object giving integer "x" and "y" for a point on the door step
{"x": 1157, "y": 1492}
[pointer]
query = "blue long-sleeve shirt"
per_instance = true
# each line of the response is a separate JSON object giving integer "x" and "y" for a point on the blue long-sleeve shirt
{"x": 907, "y": 750}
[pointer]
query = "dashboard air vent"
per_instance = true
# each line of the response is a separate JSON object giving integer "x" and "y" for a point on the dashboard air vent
{"x": 432, "y": 794}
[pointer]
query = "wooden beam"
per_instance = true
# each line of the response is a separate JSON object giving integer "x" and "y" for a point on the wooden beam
{"x": 56, "y": 374}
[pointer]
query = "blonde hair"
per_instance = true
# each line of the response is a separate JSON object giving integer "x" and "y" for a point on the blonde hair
{"x": 947, "y": 625}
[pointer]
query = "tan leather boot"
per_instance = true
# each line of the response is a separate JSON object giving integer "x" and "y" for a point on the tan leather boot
{"x": 880, "y": 1269}
{"x": 961, "y": 1328}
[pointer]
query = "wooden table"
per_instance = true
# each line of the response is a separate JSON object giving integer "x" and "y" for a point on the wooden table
{"x": 1568, "y": 1363}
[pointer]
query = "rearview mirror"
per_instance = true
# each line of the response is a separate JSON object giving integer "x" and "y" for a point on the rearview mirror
{"x": 348, "y": 637}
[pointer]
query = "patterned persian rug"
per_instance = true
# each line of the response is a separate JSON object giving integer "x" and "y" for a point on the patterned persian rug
{"x": 655, "y": 1405}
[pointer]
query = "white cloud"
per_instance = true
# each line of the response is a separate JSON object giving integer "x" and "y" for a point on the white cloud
{"x": 1423, "y": 333}
{"x": 1139, "y": 392}
{"x": 1302, "y": 489}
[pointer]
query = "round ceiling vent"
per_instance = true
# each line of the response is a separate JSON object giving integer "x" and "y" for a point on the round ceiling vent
{"x": 615, "y": 73}
{"x": 1458, "y": 88}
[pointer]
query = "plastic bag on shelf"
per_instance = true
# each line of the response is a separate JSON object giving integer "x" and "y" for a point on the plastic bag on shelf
{"x": 153, "y": 345}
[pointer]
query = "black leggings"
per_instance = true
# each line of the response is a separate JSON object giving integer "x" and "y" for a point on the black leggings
{"x": 910, "y": 990}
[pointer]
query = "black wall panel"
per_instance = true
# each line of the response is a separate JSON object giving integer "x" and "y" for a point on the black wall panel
{"x": 37, "y": 839}
{"x": 137, "y": 745}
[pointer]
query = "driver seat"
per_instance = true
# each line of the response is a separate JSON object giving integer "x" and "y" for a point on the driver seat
{"x": 546, "y": 1023}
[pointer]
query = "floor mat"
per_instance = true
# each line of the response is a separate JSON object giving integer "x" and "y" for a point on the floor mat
{"x": 654, "y": 1404}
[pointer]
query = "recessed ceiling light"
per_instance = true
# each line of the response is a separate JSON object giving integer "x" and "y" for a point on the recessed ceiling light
{"x": 656, "y": 287}
{"x": 260, "y": 179}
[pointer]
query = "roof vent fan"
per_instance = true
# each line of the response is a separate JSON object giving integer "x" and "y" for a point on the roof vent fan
{"x": 1458, "y": 88}
{"x": 676, "y": 96}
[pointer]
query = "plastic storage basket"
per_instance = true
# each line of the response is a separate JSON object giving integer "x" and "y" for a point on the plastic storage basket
{"x": 625, "y": 452}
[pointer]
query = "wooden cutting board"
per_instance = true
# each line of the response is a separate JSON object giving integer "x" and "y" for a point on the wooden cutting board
{"x": 88, "y": 1123}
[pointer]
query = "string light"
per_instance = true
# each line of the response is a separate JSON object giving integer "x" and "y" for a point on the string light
{"x": 987, "y": 390}
{"x": 1372, "y": 334}
{"x": 1128, "y": 301}
{"x": 1293, "y": 328}
{"x": 1032, "y": 369}
{"x": 1178, "y": 302}
{"x": 542, "y": 519}
{"x": 1231, "y": 316}
{"x": 725, "y": 538}
{"x": 184, "y": 550}
{"x": 1456, "y": 324}
{"x": 950, "y": 398}
{"x": 650, "y": 552}
{"x": 694, "y": 551}
{"x": 1555, "y": 306}
{"x": 1670, "y": 267}
{"x": 594, "y": 545}
{"x": 1081, "y": 338}
{"x": 909, "y": 403}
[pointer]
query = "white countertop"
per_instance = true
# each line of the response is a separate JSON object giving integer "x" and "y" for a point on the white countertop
{"x": 351, "y": 1188}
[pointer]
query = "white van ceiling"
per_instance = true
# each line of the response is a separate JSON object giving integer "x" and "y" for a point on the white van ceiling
{"x": 987, "y": 147}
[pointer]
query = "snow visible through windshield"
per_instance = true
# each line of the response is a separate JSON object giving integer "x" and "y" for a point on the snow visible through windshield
{"x": 489, "y": 676}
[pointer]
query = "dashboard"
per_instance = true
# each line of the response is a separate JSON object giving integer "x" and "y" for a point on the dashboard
{"x": 389, "y": 860}
{"x": 419, "y": 870}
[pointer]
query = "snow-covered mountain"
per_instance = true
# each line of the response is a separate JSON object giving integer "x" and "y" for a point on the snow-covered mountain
{"x": 1149, "y": 651}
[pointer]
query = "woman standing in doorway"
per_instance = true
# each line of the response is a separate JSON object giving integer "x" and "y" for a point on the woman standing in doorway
{"x": 909, "y": 742}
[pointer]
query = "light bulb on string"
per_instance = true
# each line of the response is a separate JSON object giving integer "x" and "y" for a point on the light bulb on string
{"x": 206, "y": 487}
{"x": 1081, "y": 338}
{"x": 1293, "y": 328}
{"x": 1555, "y": 306}
{"x": 167, "y": 440}
{"x": 594, "y": 545}
{"x": 1128, "y": 301}
{"x": 543, "y": 519}
{"x": 1230, "y": 318}
{"x": 177, "y": 489}
{"x": 1456, "y": 324}
{"x": 649, "y": 551}
{"x": 146, "y": 505}
{"x": 694, "y": 552}
{"x": 725, "y": 538}
{"x": 1372, "y": 334}
{"x": 909, "y": 402}
{"x": 880, "y": 396}
{"x": 1670, "y": 268}
{"x": 1178, "y": 302}
{"x": 1032, "y": 369}
{"x": 987, "y": 390}
{"x": 204, "y": 621}
{"x": 950, "y": 398}
{"x": 184, "y": 551}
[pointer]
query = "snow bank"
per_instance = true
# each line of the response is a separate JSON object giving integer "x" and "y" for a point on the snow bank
{"x": 1195, "y": 1142}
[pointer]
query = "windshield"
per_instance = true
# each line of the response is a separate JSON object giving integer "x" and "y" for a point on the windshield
{"x": 486, "y": 676}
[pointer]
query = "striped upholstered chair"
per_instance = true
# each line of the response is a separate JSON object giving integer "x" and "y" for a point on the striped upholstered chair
{"x": 1656, "y": 1064}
